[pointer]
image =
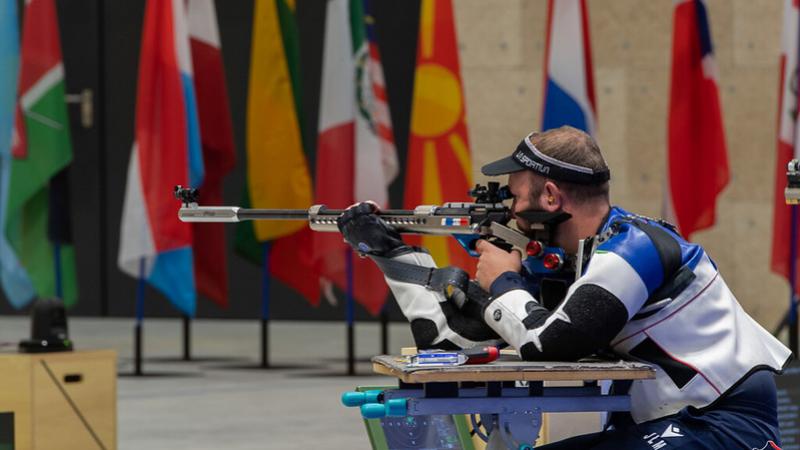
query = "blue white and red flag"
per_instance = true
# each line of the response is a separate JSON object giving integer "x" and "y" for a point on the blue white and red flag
{"x": 697, "y": 163}
{"x": 154, "y": 245}
{"x": 569, "y": 80}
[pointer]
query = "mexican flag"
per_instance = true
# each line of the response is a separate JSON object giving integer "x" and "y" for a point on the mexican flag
{"x": 356, "y": 159}
{"x": 40, "y": 149}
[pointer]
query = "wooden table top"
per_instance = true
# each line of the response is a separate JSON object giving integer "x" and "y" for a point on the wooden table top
{"x": 511, "y": 368}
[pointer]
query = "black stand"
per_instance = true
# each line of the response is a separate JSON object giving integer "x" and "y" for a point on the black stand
{"x": 187, "y": 338}
{"x": 351, "y": 350}
{"x": 350, "y": 314}
{"x": 137, "y": 339}
{"x": 384, "y": 318}
{"x": 793, "y": 335}
{"x": 264, "y": 343}
{"x": 137, "y": 349}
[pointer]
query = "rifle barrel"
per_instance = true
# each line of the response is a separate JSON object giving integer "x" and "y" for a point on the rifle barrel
{"x": 236, "y": 214}
{"x": 273, "y": 214}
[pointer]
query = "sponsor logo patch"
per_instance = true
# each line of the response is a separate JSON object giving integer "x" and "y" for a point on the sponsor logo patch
{"x": 531, "y": 164}
{"x": 657, "y": 441}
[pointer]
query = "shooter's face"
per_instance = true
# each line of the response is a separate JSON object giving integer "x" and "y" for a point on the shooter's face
{"x": 521, "y": 186}
{"x": 532, "y": 193}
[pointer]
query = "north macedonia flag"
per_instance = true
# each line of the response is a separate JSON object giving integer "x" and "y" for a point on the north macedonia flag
{"x": 439, "y": 167}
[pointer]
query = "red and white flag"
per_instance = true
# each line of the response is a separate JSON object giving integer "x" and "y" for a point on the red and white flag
{"x": 784, "y": 257}
{"x": 154, "y": 245}
{"x": 219, "y": 154}
{"x": 344, "y": 146}
{"x": 697, "y": 163}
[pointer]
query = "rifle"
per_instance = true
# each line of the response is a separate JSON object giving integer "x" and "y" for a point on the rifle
{"x": 485, "y": 218}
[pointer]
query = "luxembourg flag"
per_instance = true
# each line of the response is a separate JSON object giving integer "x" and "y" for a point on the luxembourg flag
{"x": 154, "y": 244}
{"x": 569, "y": 83}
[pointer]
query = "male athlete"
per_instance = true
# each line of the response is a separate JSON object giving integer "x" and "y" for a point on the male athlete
{"x": 644, "y": 293}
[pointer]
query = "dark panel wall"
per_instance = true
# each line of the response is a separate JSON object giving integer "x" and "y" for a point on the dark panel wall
{"x": 100, "y": 41}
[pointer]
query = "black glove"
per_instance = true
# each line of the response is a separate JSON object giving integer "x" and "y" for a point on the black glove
{"x": 366, "y": 232}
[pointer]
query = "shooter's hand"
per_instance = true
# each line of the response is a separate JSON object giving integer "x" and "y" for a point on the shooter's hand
{"x": 494, "y": 262}
{"x": 366, "y": 232}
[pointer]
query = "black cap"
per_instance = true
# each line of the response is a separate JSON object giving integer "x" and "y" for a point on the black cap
{"x": 528, "y": 157}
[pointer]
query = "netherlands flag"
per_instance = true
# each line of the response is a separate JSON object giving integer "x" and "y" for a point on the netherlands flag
{"x": 569, "y": 84}
{"x": 154, "y": 244}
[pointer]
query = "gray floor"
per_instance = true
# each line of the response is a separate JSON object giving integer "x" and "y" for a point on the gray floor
{"x": 209, "y": 404}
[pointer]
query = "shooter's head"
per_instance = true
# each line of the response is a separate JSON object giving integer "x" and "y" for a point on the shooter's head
{"x": 557, "y": 170}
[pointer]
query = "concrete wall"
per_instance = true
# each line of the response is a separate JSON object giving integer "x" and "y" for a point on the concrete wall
{"x": 502, "y": 51}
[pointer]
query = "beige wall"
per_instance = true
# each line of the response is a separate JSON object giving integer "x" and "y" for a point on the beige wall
{"x": 502, "y": 45}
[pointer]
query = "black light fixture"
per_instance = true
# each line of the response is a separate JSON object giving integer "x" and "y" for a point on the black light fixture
{"x": 48, "y": 328}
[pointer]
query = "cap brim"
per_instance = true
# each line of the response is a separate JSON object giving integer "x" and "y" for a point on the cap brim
{"x": 502, "y": 166}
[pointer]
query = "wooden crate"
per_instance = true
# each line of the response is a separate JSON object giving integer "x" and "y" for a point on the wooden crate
{"x": 61, "y": 401}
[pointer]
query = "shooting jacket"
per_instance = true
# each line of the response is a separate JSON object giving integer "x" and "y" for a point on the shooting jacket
{"x": 644, "y": 294}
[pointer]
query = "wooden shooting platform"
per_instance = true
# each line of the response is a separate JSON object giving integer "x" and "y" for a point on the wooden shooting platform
{"x": 511, "y": 368}
{"x": 63, "y": 400}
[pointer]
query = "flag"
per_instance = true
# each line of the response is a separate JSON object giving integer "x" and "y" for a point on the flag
{"x": 277, "y": 170}
{"x": 41, "y": 148}
{"x": 782, "y": 226}
{"x": 219, "y": 153}
{"x": 346, "y": 143}
{"x": 16, "y": 284}
{"x": 166, "y": 152}
{"x": 697, "y": 163}
{"x": 439, "y": 167}
{"x": 376, "y": 157}
{"x": 569, "y": 81}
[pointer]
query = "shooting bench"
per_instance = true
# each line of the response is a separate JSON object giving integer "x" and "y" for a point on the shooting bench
{"x": 511, "y": 412}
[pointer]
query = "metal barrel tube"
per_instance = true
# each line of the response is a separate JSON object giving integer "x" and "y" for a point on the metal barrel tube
{"x": 273, "y": 214}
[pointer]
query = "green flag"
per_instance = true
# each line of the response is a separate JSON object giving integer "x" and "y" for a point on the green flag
{"x": 40, "y": 149}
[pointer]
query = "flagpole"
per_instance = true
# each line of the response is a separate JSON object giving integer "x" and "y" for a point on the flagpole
{"x": 793, "y": 331}
{"x": 57, "y": 264}
{"x": 187, "y": 338}
{"x": 384, "y": 319}
{"x": 137, "y": 350}
{"x": 350, "y": 313}
{"x": 265, "y": 285}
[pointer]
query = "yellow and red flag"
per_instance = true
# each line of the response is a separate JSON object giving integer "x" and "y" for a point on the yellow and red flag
{"x": 277, "y": 170}
{"x": 439, "y": 164}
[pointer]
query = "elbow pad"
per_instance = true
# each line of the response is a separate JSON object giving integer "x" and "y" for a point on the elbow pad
{"x": 581, "y": 325}
{"x": 436, "y": 321}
